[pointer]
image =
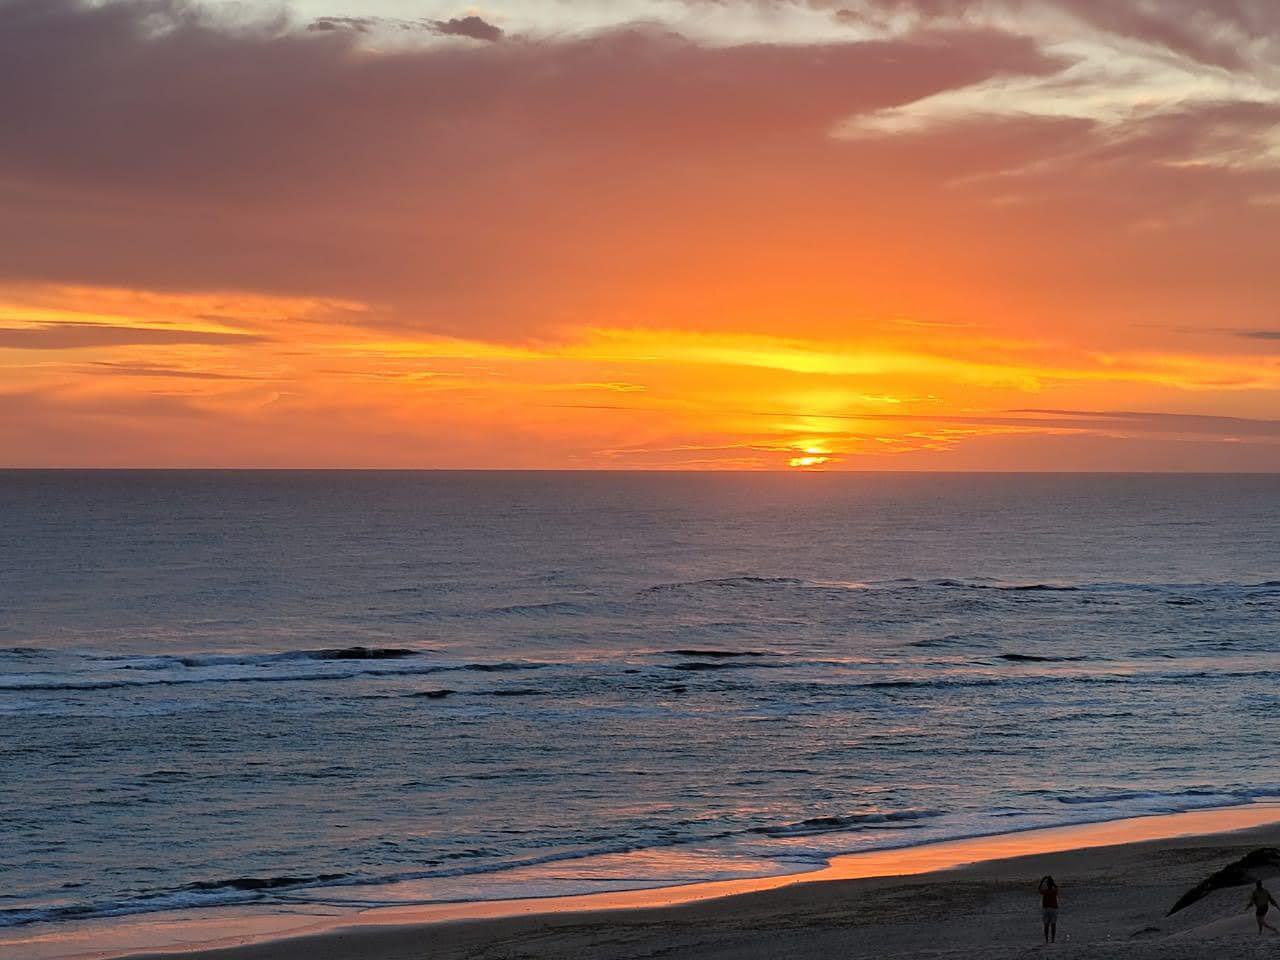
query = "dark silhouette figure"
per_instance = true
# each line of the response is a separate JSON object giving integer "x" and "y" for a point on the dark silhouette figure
{"x": 1261, "y": 901}
{"x": 1049, "y": 908}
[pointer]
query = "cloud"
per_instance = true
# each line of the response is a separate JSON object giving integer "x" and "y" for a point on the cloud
{"x": 471, "y": 27}
{"x": 1164, "y": 422}
{"x": 292, "y": 161}
{"x": 359, "y": 24}
{"x": 156, "y": 370}
{"x": 477, "y": 28}
{"x": 1032, "y": 187}
{"x": 506, "y": 189}
{"x": 37, "y": 406}
{"x": 1259, "y": 334}
{"x": 1036, "y": 421}
{"x": 1224, "y": 33}
{"x": 77, "y": 336}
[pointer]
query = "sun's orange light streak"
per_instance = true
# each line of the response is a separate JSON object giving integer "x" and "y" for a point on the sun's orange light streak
{"x": 588, "y": 396}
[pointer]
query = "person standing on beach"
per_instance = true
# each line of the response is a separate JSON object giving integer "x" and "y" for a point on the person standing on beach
{"x": 1261, "y": 901}
{"x": 1049, "y": 908}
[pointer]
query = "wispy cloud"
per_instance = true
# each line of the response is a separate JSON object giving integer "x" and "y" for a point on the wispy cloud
{"x": 80, "y": 336}
{"x": 163, "y": 372}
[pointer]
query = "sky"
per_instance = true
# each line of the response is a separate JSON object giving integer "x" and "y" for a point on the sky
{"x": 641, "y": 234}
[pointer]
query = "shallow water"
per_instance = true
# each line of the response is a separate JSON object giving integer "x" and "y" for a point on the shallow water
{"x": 371, "y": 688}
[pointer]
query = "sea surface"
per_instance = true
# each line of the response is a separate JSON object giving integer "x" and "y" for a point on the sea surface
{"x": 361, "y": 688}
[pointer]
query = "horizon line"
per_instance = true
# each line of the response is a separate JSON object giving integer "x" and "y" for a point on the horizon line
{"x": 792, "y": 471}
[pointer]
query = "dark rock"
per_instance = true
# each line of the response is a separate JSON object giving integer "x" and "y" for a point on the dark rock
{"x": 1241, "y": 873}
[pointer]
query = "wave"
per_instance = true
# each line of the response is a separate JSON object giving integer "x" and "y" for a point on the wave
{"x": 816, "y": 826}
{"x": 295, "y": 889}
{"x": 265, "y": 883}
{"x": 365, "y": 653}
{"x": 110, "y": 673}
{"x": 212, "y": 893}
{"x": 278, "y": 890}
{"x": 1121, "y": 796}
{"x": 322, "y": 655}
{"x": 956, "y": 640}
{"x": 285, "y": 888}
{"x": 726, "y": 583}
{"x": 345, "y": 664}
{"x": 1100, "y": 585}
{"x": 858, "y": 586}
{"x": 912, "y": 584}
{"x": 926, "y": 684}
{"x": 1120, "y": 678}
{"x": 1032, "y": 587}
{"x": 327, "y": 654}
{"x": 41, "y": 684}
{"x": 535, "y": 609}
{"x": 1006, "y": 585}
{"x": 514, "y": 692}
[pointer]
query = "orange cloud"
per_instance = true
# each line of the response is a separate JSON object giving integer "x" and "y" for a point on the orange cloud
{"x": 327, "y": 376}
{"x": 858, "y": 244}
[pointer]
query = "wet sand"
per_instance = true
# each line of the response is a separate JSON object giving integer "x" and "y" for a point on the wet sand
{"x": 1114, "y": 901}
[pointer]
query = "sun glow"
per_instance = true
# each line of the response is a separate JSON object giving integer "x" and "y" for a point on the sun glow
{"x": 813, "y": 455}
{"x": 808, "y": 461}
{"x": 219, "y": 373}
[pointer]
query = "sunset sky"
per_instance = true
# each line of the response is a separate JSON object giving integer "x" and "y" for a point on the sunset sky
{"x": 760, "y": 234}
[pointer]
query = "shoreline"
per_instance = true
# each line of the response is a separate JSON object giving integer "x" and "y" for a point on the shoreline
{"x": 276, "y": 930}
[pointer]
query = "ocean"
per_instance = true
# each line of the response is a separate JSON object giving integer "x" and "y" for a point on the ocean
{"x": 348, "y": 688}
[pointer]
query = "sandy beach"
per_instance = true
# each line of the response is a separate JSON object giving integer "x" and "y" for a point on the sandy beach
{"x": 1114, "y": 904}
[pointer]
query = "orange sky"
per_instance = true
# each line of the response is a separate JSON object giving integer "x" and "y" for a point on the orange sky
{"x": 887, "y": 234}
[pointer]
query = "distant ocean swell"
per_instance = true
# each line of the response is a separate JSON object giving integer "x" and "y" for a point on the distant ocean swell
{"x": 975, "y": 583}
{"x": 105, "y": 673}
{"x": 42, "y": 671}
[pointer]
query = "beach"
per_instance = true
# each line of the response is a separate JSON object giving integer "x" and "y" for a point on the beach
{"x": 1115, "y": 900}
{"x": 1114, "y": 904}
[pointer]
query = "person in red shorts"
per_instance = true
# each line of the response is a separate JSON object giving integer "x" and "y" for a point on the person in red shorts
{"x": 1049, "y": 909}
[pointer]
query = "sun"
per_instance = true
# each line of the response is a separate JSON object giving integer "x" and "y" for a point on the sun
{"x": 811, "y": 456}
